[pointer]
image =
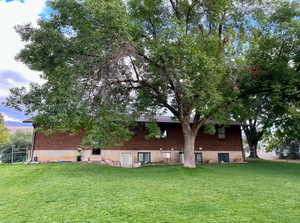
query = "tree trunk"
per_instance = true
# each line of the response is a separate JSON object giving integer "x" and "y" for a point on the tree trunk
{"x": 253, "y": 151}
{"x": 189, "y": 150}
{"x": 253, "y": 137}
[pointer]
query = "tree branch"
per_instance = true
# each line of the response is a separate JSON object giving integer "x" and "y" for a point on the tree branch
{"x": 135, "y": 69}
{"x": 175, "y": 9}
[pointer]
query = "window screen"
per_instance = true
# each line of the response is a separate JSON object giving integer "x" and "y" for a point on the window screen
{"x": 144, "y": 157}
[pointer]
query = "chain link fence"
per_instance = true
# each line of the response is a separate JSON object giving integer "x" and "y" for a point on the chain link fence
{"x": 15, "y": 155}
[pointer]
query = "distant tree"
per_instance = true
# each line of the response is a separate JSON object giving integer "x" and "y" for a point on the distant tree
{"x": 4, "y": 134}
{"x": 22, "y": 139}
{"x": 107, "y": 61}
{"x": 290, "y": 125}
{"x": 286, "y": 134}
{"x": 285, "y": 146}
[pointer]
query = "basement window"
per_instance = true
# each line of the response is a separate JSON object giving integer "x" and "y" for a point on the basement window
{"x": 144, "y": 157}
{"x": 96, "y": 152}
{"x": 223, "y": 157}
{"x": 198, "y": 158}
{"x": 221, "y": 132}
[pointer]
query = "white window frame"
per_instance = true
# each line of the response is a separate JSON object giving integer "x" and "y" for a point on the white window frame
{"x": 143, "y": 155}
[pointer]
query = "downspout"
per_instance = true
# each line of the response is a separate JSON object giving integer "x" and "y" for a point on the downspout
{"x": 242, "y": 146}
{"x": 33, "y": 144}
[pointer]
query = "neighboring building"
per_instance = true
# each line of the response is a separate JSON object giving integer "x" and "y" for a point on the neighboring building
{"x": 224, "y": 146}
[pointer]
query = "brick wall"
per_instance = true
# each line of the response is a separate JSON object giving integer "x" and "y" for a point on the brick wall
{"x": 64, "y": 141}
{"x": 174, "y": 140}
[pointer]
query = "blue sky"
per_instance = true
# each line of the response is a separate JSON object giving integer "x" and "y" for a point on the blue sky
{"x": 14, "y": 0}
{"x": 14, "y": 73}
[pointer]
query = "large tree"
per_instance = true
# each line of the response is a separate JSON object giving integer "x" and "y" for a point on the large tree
{"x": 270, "y": 79}
{"x": 255, "y": 120}
{"x": 106, "y": 61}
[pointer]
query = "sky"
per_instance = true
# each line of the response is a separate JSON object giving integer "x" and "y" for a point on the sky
{"x": 14, "y": 73}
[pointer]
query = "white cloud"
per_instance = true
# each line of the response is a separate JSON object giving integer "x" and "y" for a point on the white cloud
{"x": 12, "y": 14}
{"x": 10, "y": 79}
{"x": 10, "y": 119}
{"x": 12, "y": 82}
{"x": 4, "y": 93}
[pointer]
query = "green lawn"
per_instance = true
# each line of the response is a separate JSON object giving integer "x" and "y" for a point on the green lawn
{"x": 254, "y": 192}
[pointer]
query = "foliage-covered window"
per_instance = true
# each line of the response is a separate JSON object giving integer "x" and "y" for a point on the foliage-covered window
{"x": 96, "y": 152}
{"x": 144, "y": 157}
{"x": 221, "y": 132}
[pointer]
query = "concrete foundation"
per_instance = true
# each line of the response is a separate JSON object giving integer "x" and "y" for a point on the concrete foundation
{"x": 114, "y": 157}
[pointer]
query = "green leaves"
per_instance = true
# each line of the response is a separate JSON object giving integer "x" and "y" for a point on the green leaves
{"x": 107, "y": 61}
{"x": 4, "y": 134}
{"x": 269, "y": 80}
{"x": 153, "y": 129}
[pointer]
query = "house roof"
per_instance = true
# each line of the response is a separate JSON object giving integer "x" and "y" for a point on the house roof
{"x": 28, "y": 120}
{"x": 162, "y": 119}
{"x": 168, "y": 119}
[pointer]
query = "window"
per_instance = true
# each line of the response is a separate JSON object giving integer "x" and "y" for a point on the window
{"x": 198, "y": 157}
{"x": 223, "y": 157}
{"x": 163, "y": 134}
{"x": 96, "y": 152}
{"x": 144, "y": 157}
{"x": 166, "y": 155}
{"x": 221, "y": 132}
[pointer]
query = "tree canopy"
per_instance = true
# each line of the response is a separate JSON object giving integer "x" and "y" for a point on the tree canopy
{"x": 105, "y": 62}
{"x": 270, "y": 65}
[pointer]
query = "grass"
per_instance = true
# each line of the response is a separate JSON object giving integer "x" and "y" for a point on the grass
{"x": 257, "y": 192}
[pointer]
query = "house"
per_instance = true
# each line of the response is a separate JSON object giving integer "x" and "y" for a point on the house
{"x": 224, "y": 146}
